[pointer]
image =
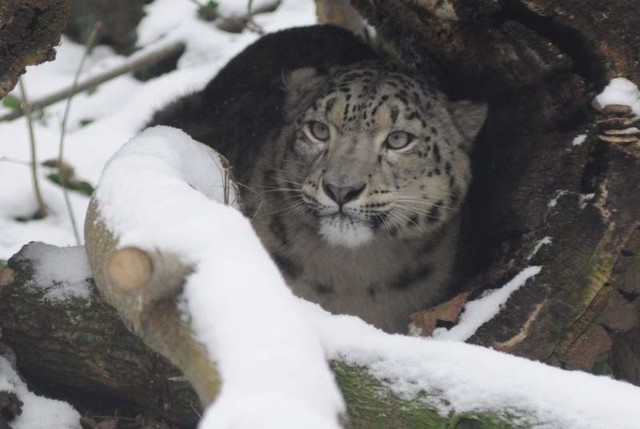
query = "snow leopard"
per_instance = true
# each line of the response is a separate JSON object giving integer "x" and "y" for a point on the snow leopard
{"x": 355, "y": 184}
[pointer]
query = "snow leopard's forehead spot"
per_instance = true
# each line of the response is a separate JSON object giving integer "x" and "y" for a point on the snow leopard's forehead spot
{"x": 374, "y": 99}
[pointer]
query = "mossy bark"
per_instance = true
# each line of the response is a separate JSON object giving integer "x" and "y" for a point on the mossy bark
{"x": 539, "y": 64}
{"x": 80, "y": 350}
{"x": 372, "y": 406}
{"x": 29, "y": 31}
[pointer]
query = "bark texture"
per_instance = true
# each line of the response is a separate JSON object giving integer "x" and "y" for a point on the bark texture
{"x": 29, "y": 31}
{"x": 80, "y": 350}
{"x": 539, "y": 64}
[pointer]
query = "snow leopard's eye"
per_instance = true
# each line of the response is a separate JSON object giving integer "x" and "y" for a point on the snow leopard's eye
{"x": 398, "y": 140}
{"x": 318, "y": 131}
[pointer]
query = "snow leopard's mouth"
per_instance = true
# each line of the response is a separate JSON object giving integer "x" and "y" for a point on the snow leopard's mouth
{"x": 344, "y": 230}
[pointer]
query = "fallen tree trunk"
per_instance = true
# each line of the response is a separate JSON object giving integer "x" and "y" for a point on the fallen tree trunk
{"x": 29, "y": 31}
{"x": 551, "y": 172}
{"x": 386, "y": 380}
{"x": 73, "y": 346}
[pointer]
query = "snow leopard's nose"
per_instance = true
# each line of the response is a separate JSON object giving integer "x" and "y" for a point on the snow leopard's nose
{"x": 343, "y": 194}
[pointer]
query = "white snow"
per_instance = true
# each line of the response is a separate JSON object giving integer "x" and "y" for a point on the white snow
{"x": 37, "y": 412}
{"x": 269, "y": 358}
{"x": 271, "y": 348}
{"x": 554, "y": 201}
{"x": 582, "y": 203}
{"x": 473, "y": 378}
{"x": 65, "y": 271}
{"x": 543, "y": 242}
{"x": 118, "y": 109}
{"x": 579, "y": 139}
{"x": 585, "y": 198}
{"x": 621, "y": 91}
{"x": 477, "y": 312}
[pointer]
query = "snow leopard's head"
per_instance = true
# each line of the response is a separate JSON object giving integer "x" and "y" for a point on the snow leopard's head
{"x": 371, "y": 150}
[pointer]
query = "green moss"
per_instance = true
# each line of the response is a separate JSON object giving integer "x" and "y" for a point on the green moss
{"x": 10, "y": 101}
{"x": 371, "y": 406}
{"x": 28, "y": 218}
{"x": 80, "y": 186}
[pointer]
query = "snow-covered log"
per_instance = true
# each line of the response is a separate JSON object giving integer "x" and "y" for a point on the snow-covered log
{"x": 233, "y": 325}
{"x": 70, "y": 344}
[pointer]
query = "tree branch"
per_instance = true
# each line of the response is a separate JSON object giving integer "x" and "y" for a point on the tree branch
{"x": 138, "y": 63}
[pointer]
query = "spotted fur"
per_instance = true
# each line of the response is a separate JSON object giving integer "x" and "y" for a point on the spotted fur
{"x": 359, "y": 191}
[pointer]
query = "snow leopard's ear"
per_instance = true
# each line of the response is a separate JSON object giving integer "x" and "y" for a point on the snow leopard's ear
{"x": 299, "y": 83}
{"x": 468, "y": 117}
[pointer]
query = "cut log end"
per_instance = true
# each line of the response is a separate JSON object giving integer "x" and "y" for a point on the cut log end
{"x": 130, "y": 269}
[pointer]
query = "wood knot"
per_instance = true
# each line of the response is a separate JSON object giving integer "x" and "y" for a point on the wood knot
{"x": 129, "y": 269}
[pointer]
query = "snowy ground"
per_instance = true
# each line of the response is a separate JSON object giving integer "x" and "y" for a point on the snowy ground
{"x": 474, "y": 378}
{"x": 117, "y": 109}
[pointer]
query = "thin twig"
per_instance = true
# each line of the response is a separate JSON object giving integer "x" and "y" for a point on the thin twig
{"x": 15, "y": 161}
{"x": 137, "y": 64}
{"x": 42, "y": 208}
{"x": 63, "y": 127}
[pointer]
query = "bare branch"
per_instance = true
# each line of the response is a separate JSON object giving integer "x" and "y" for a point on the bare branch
{"x": 139, "y": 63}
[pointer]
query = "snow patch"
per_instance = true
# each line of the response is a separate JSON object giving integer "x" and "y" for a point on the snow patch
{"x": 579, "y": 139}
{"x": 582, "y": 203}
{"x": 585, "y": 198}
{"x": 554, "y": 201}
{"x": 63, "y": 272}
{"x": 477, "y": 312}
{"x": 621, "y": 91}
{"x": 472, "y": 378}
{"x": 37, "y": 411}
{"x": 101, "y": 121}
{"x": 545, "y": 241}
